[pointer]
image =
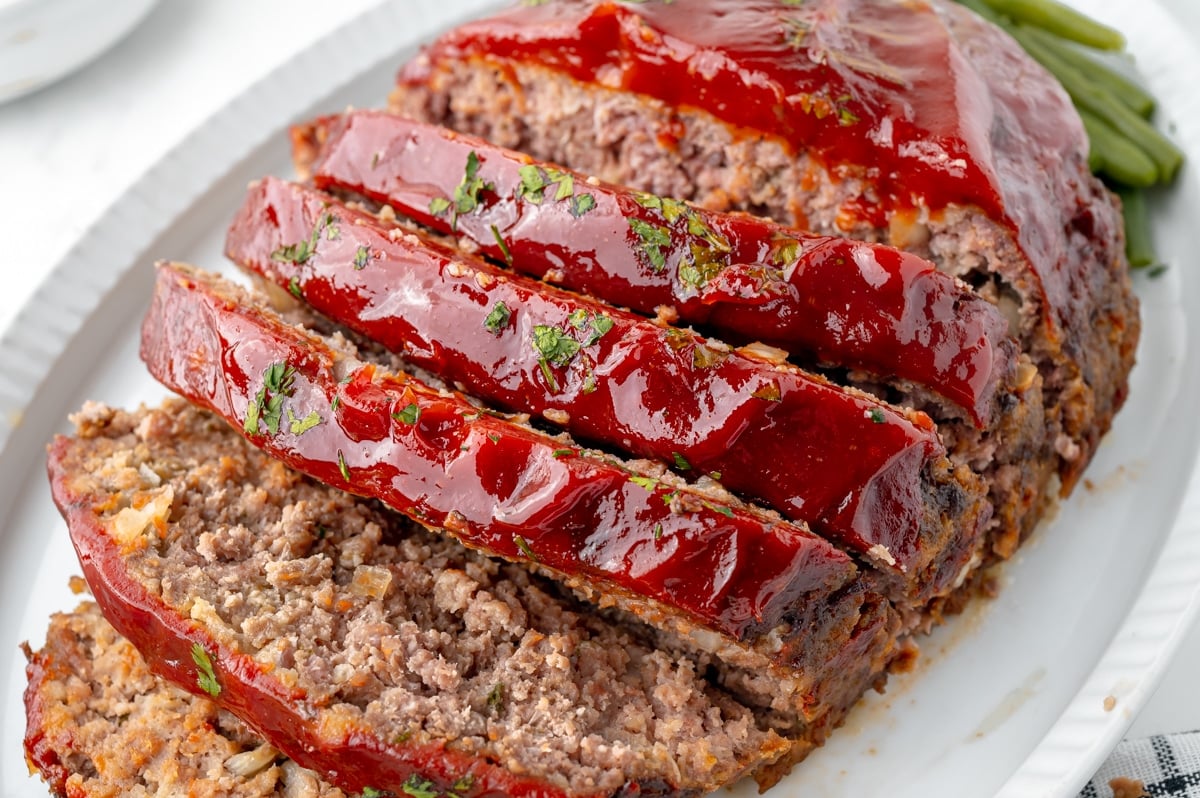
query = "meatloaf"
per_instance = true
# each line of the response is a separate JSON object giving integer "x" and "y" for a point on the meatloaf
{"x": 872, "y": 316}
{"x": 101, "y": 725}
{"x": 365, "y": 647}
{"x": 767, "y": 431}
{"x": 919, "y": 124}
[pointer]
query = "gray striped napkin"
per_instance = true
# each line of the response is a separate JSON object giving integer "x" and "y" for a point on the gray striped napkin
{"x": 1163, "y": 765}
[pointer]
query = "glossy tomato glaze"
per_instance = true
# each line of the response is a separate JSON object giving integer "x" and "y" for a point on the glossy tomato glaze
{"x": 493, "y": 484}
{"x": 845, "y": 463}
{"x": 843, "y": 302}
{"x": 345, "y": 754}
{"x": 870, "y": 88}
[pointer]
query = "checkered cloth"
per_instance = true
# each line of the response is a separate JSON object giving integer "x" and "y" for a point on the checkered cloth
{"x": 1165, "y": 765}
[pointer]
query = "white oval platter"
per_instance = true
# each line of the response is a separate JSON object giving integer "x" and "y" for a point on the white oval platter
{"x": 1011, "y": 699}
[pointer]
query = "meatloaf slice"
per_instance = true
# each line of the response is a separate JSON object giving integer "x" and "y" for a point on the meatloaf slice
{"x": 914, "y": 123}
{"x": 368, "y": 648}
{"x": 99, "y": 724}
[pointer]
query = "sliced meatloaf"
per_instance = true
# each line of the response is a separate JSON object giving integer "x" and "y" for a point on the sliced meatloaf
{"x": 99, "y": 724}
{"x": 888, "y": 320}
{"x": 916, "y": 124}
{"x": 370, "y": 649}
{"x": 768, "y": 432}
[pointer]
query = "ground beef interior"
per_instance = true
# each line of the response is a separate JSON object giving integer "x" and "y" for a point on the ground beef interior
{"x": 406, "y": 633}
{"x": 101, "y": 725}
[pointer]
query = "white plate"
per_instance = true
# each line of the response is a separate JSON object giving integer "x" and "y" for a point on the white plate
{"x": 1009, "y": 699}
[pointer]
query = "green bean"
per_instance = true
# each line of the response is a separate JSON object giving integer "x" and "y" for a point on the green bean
{"x": 1166, "y": 156}
{"x": 1102, "y": 75}
{"x": 1062, "y": 21}
{"x": 1120, "y": 159}
{"x": 1139, "y": 246}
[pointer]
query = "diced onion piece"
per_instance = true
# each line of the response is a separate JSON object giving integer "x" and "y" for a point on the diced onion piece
{"x": 371, "y": 581}
{"x": 248, "y": 763}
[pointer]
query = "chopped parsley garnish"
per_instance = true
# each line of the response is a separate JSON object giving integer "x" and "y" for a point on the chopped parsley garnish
{"x": 462, "y": 785}
{"x": 654, "y": 238}
{"x": 294, "y": 287}
{"x": 362, "y": 257}
{"x": 266, "y": 409}
{"x": 681, "y": 462}
{"x": 371, "y": 792}
{"x": 205, "y": 677}
{"x": 649, "y": 483}
{"x": 581, "y": 204}
{"x": 418, "y": 788}
{"x": 553, "y": 347}
{"x": 299, "y": 426}
{"x": 876, "y": 416}
{"x": 599, "y": 325}
{"x": 535, "y": 180}
{"x": 498, "y": 318}
{"x": 439, "y": 205}
{"x": 345, "y": 469}
{"x": 408, "y": 414}
{"x": 301, "y": 251}
{"x": 717, "y": 508}
{"x": 495, "y": 700}
{"x": 503, "y": 246}
{"x": 467, "y": 193}
{"x": 703, "y": 267}
{"x": 658, "y": 531}
{"x": 563, "y": 452}
{"x": 522, "y": 544}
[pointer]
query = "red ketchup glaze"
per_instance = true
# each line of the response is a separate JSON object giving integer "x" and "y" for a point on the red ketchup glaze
{"x": 345, "y": 754}
{"x": 844, "y": 463}
{"x": 495, "y": 485}
{"x": 872, "y": 88}
{"x": 843, "y": 302}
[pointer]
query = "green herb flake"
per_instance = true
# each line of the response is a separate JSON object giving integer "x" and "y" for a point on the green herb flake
{"x": 345, "y": 469}
{"x": 335, "y": 403}
{"x": 462, "y": 785}
{"x": 681, "y": 462}
{"x": 362, "y": 257}
{"x": 601, "y": 325}
{"x": 785, "y": 252}
{"x": 533, "y": 184}
{"x": 876, "y": 416}
{"x": 205, "y": 676}
{"x": 294, "y": 287}
{"x": 402, "y": 737}
{"x": 553, "y": 345}
{"x": 563, "y": 452}
{"x": 578, "y": 318}
{"x": 658, "y": 531}
{"x": 495, "y": 700}
{"x": 717, "y": 508}
{"x": 438, "y": 206}
{"x": 371, "y": 792}
{"x": 503, "y": 246}
{"x": 654, "y": 239}
{"x": 498, "y": 318}
{"x": 266, "y": 409}
{"x": 523, "y": 545}
{"x": 715, "y": 475}
{"x": 1154, "y": 272}
{"x": 566, "y": 186}
{"x": 581, "y": 204}
{"x": 416, "y": 787}
{"x": 649, "y": 483}
{"x": 467, "y": 195}
{"x": 408, "y": 414}
{"x": 322, "y": 532}
{"x": 493, "y": 437}
{"x": 299, "y": 426}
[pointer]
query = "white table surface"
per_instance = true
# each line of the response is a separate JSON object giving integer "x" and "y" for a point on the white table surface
{"x": 69, "y": 150}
